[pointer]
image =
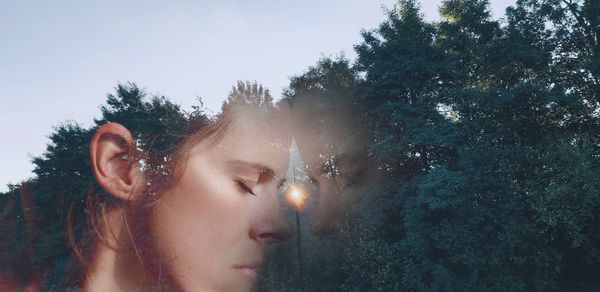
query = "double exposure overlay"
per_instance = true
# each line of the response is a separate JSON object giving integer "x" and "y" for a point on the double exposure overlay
{"x": 461, "y": 154}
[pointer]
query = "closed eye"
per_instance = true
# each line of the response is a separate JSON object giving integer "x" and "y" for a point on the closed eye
{"x": 244, "y": 188}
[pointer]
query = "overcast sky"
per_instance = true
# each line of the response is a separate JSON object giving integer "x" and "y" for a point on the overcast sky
{"x": 59, "y": 59}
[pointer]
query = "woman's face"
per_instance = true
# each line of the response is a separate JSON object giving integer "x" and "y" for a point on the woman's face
{"x": 210, "y": 230}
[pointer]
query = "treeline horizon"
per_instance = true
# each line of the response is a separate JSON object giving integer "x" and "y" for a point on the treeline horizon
{"x": 487, "y": 133}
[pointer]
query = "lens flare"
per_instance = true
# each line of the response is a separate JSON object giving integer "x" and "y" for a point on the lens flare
{"x": 296, "y": 196}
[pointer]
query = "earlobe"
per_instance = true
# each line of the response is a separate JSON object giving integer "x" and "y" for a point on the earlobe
{"x": 112, "y": 157}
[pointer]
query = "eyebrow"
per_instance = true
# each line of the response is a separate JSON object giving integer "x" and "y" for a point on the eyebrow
{"x": 256, "y": 166}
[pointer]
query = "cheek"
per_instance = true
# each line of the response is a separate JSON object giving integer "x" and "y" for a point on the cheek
{"x": 198, "y": 227}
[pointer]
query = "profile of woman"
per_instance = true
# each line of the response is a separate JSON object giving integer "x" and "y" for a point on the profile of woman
{"x": 198, "y": 222}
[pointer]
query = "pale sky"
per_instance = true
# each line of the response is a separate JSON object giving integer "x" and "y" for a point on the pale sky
{"x": 59, "y": 59}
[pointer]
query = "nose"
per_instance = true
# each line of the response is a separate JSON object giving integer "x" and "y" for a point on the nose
{"x": 271, "y": 225}
{"x": 267, "y": 234}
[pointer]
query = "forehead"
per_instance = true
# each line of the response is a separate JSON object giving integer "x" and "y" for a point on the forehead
{"x": 259, "y": 137}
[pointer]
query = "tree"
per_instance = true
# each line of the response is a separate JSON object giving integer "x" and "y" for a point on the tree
{"x": 249, "y": 94}
{"x": 481, "y": 130}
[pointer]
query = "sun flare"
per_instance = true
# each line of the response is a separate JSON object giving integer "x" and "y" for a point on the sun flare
{"x": 296, "y": 196}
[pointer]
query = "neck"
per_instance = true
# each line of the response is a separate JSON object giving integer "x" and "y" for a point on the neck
{"x": 115, "y": 270}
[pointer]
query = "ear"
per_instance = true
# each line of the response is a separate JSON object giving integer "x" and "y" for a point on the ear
{"x": 112, "y": 156}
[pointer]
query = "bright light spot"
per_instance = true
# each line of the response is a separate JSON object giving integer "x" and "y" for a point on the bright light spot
{"x": 296, "y": 196}
{"x": 448, "y": 112}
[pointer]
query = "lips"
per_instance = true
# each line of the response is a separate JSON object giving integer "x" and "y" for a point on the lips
{"x": 248, "y": 271}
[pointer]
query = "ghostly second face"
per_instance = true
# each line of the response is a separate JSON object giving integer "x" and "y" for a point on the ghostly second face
{"x": 210, "y": 230}
{"x": 332, "y": 149}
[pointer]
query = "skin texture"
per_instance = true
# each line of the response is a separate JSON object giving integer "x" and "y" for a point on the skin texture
{"x": 209, "y": 231}
{"x": 209, "y": 225}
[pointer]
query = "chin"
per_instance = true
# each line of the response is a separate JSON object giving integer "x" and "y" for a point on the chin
{"x": 233, "y": 284}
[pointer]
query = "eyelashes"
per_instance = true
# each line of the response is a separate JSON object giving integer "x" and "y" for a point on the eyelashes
{"x": 244, "y": 188}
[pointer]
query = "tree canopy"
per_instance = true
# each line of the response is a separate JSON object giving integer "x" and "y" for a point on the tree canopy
{"x": 486, "y": 133}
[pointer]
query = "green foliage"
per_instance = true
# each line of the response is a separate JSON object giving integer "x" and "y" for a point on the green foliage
{"x": 398, "y": 57}
{"x": 155, "y": 121}
{"x": 330, "y": 77}
{"x": 487, "y": 135}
